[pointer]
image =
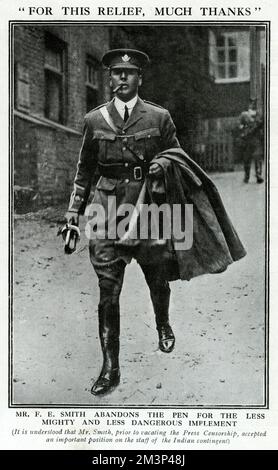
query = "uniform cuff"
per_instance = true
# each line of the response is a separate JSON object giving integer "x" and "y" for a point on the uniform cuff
{"x": 76, "y": 199}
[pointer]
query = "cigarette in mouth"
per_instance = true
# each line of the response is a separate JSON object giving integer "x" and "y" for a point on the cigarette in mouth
{"x": 117, "y": 88}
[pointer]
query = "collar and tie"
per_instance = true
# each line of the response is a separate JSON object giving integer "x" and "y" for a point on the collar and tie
{"x": 125, "y": 108}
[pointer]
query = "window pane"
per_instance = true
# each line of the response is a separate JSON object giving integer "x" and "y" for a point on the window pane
{"x": 221, "y": 71}
{"x": 88, "y": 73}
{"x": 22, "y": 88}
{"x": 23, "y": 96}
{"x": 220, "y": 55}
{"x": 232, "y": 55}
{"x": 91, "y": 99}
{"x": 220, "y": 41}
{"x": 92, "y": 74}
{"x": 231, "y": 41}
{"x": 232, "y": 71}
{"x": 212, "y": 125}
{"x": 96, "y": 79}
{"x": 55, "y": 83}
{"x": 53, "y": 59}
{"x": 53, "y": 97}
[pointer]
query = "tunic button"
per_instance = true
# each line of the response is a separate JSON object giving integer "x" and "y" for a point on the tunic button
{"x": 124, "y": 148}
{"x": 149, "y": 136}
{"x": 125, "y": 140}
{"x": 126, "y": 181}
{"x": 126, "y": 164}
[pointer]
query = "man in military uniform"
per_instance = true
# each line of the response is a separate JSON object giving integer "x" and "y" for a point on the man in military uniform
{"x": 120, "y": 140}
{"x": 251, "y": 135}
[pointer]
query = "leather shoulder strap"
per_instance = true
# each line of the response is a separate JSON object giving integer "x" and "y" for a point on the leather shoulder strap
{"x": 108, "y": 119}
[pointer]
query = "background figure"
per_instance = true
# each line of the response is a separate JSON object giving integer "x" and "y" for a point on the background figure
{"x": 251, "y": 138}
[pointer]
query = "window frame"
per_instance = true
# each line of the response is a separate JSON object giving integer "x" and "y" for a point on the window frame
{"x": 22, "y": 88}
{"x": 214, "y": 62}
{"x": 55, "y": 44}
{"x": 226, "y": 49}
{"x": 90, "y": 86}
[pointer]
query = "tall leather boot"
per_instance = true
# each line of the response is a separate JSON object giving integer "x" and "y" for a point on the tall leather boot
{"x": 109, "y": 332}
{"x": 161, "y": 300}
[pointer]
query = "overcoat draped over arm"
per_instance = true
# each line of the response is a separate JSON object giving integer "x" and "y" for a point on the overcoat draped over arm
{"x": 215, "y": 241}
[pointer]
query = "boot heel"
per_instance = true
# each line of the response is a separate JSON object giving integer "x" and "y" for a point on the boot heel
{"x": 166, "y": 338}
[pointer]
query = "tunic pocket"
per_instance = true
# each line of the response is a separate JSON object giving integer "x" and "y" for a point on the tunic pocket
{"x": 151, "y": 140}
{"x": 103, "y": 139}
{"x": 106, "y": 184}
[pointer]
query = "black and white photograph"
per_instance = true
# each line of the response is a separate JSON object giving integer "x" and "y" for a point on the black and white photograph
{"x": 159, "y": 129}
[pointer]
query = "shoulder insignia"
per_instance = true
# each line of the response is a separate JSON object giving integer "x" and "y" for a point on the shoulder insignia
{"x": 154, "y": 104}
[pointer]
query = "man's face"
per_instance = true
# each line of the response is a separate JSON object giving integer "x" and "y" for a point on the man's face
{"x": 129, "y": 78}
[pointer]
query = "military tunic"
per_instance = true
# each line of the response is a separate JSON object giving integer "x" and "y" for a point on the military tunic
{"x": 148, "y": 131}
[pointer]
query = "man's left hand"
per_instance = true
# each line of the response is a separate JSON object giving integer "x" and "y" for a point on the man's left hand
{"x": 156, "y": 171}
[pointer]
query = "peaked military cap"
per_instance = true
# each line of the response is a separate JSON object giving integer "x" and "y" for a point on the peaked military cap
{"x": 125, "y": 58}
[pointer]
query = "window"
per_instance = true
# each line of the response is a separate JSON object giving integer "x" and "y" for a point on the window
{"x": 92, "y": 83}
{"x": 54, "y": 67}
{"x": 229, "y": 56}
{"x": 22, "y": 88}
{"x": 226, "y": 56}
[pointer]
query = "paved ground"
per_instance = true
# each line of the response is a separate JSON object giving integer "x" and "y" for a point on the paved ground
{"x": 218, "y": 320}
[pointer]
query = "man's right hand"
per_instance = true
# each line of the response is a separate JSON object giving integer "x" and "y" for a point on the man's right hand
{"x": 72, "y": 218}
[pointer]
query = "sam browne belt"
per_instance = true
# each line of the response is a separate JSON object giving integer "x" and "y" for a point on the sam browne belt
{"x": 124, "y": 170}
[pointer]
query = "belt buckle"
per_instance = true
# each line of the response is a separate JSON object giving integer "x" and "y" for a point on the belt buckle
{"x": 137, "y": 173}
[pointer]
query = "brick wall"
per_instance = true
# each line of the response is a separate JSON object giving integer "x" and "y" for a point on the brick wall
{"x": 232, "y": 99}
{"x": 45, "y": 153}
{"x": 25, "y": 151}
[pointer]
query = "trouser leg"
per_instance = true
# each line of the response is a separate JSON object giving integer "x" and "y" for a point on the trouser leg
{"x": 110, "y": 283}
{"x": 160, "y": 295}
{"x": 258, "y": 169}
{"x": 247, "y": 167}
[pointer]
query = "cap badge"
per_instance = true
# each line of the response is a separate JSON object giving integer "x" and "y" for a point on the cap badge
{"x": 126, "y": 58}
